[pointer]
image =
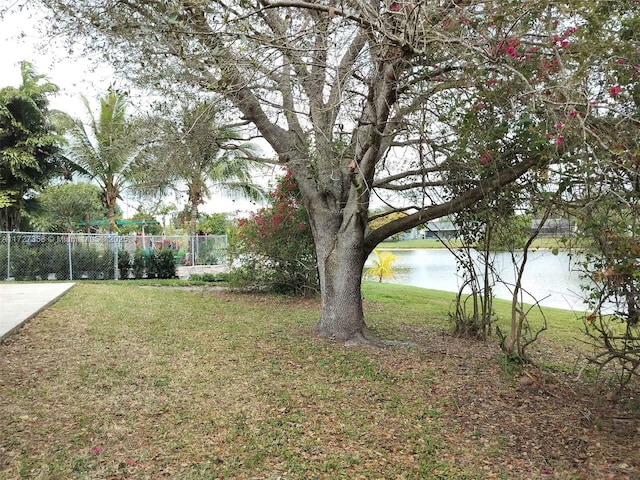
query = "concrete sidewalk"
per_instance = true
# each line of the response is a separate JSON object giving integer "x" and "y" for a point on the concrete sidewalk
{"x": 21, "y": 301}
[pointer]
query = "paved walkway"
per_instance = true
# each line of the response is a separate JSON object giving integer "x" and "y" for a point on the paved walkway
{"x": 21, "y": 301}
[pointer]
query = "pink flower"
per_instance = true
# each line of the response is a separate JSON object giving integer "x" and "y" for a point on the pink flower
{"x": 485, "y": 158}
{"x": 559, "y": 140}
{"x": 559, "y": 125}
{"x": 573, "y": 114}
{"x": 131, "y": 462}
{"x": 620, "y": 61}
{"x": 96, "y": 450}
{"x": 564, "y": 43}
{"x": 615, "y": 90}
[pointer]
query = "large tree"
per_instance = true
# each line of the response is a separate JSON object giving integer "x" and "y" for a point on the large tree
{"x": 69, "y": 207}
{"x": 194, "y": 154}
{"x": 106, "y": 152}
{"x": 355, "y": 98}
{"x": 29, "y": 144}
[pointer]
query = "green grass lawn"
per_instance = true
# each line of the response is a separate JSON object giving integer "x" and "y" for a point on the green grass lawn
{"x": 143, "y": 381}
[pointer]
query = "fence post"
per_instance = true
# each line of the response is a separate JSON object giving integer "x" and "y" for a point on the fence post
{"x": 8, "y": 256}
{"x": 115, "y": 258}
{"x": 69, "y": 252}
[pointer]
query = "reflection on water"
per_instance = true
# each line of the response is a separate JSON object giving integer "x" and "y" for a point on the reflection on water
{"x": 553, "y": 280}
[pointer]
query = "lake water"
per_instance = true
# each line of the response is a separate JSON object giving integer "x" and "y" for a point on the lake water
{"x": 553, "y": 280}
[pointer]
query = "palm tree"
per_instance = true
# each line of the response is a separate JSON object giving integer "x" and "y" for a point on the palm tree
{"x": 30, "y": 153}
{"x": 197, "y": 156}
{"x": 382, "y": 265}
{"x": 108, "y": 150}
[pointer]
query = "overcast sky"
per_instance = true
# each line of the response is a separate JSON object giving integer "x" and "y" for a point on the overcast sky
{"x": 20, "y": 40}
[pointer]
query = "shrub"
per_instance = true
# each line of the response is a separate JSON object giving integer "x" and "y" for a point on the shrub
{"x": 138, "y": 264}
{"x": 209, "y": 277}
{"x": 124, "y": 264}
{"x": 166, "y": 266}
{"x": 274, "y": 247}
{"x": 25, "y": 263}
{"x": 58, "y": 261}
{"x": 151, "y": 263}
{"x": 86, "y": 259}
{"x": 3, "y": 262}
{"x": 107, "y": 259}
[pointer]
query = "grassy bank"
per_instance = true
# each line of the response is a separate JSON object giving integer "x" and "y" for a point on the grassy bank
{"x": 123, "y": 380}
{"x": 545, "y": 242}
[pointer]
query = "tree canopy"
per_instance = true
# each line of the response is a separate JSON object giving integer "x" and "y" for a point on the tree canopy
{"x": 65, "y": 206}
{"x": 30, "y": 152}
{"x": 194, "y": 155}
{"x": 107, "y": 151}
{"x": 428, "y": 107}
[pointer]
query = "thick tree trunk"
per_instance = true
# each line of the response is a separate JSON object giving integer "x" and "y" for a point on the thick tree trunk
{"x": 341, "y": 257}
{"x": 342, "y": 315}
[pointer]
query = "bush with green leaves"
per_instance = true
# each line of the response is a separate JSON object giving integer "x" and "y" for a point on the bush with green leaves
{"x": 166, "y": 266}
{"x": 151, "y": 263}
{"x": 274, "y": 247}
{"x": 4, "y": 258}
{"x": 85, "y": 262}
{"x": 124, "y": 264}
{"x": 58, "y": 260}
{"x": 106, "y": 261}
{"x": 137, "y": 265}
{"x": 25, "y": 263}
{"x": 209, "y": 277}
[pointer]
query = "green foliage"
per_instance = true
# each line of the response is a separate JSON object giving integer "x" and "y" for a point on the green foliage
{"x": 107, "y": 151}
{"x": 151, "y": 263}
{"x": 214, "y": 224}
{"x": 25, "y": 263}
{"x": 166, "y": 266}
{"x": 29, "y": 144}
{"x": 211, "y": 250}
{"x": 275, "y": 246}
{"x": 124, "y": 264}
{"x": 151, "y": 225}
{"x": 510, "y": 232}
{"x": 209, "y": 277}
{"x": 64, "y": 207}
{"x": 197, "y": 156}
{"x": 138, "y": 264}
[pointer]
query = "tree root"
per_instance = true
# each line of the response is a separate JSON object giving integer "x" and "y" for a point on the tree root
{"x": 368, "y": 339}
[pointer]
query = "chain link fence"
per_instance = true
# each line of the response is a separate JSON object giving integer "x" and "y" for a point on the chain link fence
{"x": 77, "y": 256}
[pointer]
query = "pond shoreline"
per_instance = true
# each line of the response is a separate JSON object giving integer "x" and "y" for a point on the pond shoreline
{"x": 550, "y": 278}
